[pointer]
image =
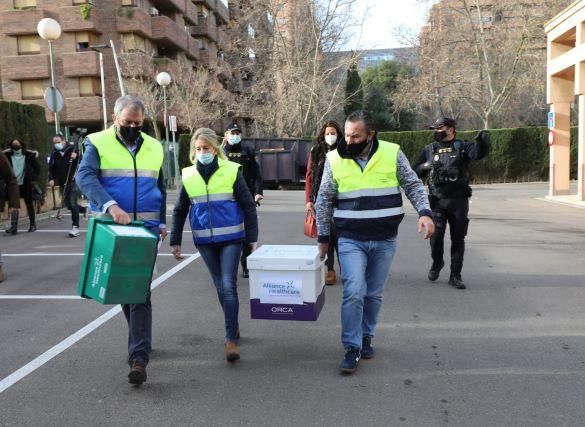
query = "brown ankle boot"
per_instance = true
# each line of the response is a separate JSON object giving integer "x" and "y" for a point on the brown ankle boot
{"x": 232, "y": 351}
{"x": 331, "y": 278}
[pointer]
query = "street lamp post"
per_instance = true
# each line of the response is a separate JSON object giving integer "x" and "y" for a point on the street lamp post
{"x": 50, "y": 30}
{"x": 97, "y": 48}
{"x": 164, "y": 79}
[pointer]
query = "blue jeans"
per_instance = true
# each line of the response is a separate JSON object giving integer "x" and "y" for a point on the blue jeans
{"x": 139, "y": 318}
{"x": 364, "y": 269}
{"x": 222, "y": 262}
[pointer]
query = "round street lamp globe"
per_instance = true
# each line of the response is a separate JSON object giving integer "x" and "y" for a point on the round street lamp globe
{"x": 49, "y": 29}
{"x": 163, "y": 79}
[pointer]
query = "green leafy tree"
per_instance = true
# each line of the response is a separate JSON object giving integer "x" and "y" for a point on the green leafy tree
{"x": 354, "y": 93}
{"x": 380, "y": 83}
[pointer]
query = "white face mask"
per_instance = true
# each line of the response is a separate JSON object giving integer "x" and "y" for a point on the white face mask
{"x": 330, "y": 139}
{"x": 234, "y": 139}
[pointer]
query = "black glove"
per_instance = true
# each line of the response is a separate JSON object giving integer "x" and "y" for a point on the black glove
{"x": 483, "y": 136}
{"x": 436, "y": 164}
{"x": 426, "y": 166}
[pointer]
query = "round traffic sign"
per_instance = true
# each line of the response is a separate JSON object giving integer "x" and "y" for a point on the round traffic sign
{"x": 52, "y": 93}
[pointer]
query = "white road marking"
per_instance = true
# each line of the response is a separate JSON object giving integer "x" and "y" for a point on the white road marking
{"x": 38, "y": 254}
{"x": 33, "y": 365}
{"x": 59, "y": 297}
{"x": 81, "y": 230}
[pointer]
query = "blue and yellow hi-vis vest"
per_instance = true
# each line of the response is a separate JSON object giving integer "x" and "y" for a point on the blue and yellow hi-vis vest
{"x": 369, "y": 203}
{"x": 131, "y": 180}
{"x": 215, "y": 216}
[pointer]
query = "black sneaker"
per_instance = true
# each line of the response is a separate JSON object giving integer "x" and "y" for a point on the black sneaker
{"x": 435, "y": 270}
{"x": 350, "y": 361}
{"x": 245, "y": 274}
{"x": 457, "y": 282}
{"x": 367, "y": 349}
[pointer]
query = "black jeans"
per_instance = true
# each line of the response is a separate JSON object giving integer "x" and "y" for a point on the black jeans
{"x": 246, "y": 251}
{"x": 27, "y": 196}
{"x": 332, "y": 248}
{"x": 453, "y": 212}
{"x": 70, "y": 195}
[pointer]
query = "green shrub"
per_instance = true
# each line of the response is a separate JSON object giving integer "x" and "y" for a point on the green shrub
{"x": 517, "y": 154}
{"x": 27, "y": 123}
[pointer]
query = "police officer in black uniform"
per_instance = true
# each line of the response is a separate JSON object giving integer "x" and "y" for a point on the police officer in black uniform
{"x": 245, "y": 156}
{"x": 445, "y": 165}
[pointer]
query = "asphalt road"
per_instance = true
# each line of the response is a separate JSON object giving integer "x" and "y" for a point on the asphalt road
{"x": 509, "y": 350}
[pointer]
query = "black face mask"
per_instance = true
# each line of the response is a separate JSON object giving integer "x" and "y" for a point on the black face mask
{"x": 355, "y": 150}
{"x": 440, "y": 135}
{"x": 15, "y": 147}
{"x": 129, "y": 134}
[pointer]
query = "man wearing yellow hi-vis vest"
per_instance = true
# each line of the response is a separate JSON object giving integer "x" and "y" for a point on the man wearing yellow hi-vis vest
{"x": 362, "y": 179}
{"x": 121, "y": 175}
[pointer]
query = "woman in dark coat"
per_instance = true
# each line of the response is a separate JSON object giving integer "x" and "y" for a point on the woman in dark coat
{"x": 327, "y": 140}
{"x": 26, "y": 168}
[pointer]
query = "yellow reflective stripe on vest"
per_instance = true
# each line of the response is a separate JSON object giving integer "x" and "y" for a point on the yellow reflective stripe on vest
{"x": 369, "y": 192}
{"x": 212, "y": 198}
{"x": 220, "y": 231}
{"x": 129, "y": 173}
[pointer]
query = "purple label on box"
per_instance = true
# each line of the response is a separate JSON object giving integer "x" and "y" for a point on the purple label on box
{"x": 305, "y": 311}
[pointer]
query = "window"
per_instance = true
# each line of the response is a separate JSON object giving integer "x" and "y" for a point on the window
{"x": 202, "y": 11}
{"x": 24, "y": 4}
{"x": 89, "y": 86}
{"x": 251, "y": 53}
{"x": 133, "y": 42}
{"x": 225, "y": 3}
{"x": 29, "y": 45}
{"x": 251, "y": 32}
{"x": 84, "y": 40}
{"x": 132, "y": 3}
{"x": 76, "y": 2}
{"x": 32, "y": 89}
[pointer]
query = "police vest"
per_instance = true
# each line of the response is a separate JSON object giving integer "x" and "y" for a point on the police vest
{"x": 215, "y": 216}
{"x": 369, "y": 203}
{"x": 131, "y": 180}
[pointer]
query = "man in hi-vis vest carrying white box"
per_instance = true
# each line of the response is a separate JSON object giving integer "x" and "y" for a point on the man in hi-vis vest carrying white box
{"x": 364, "y": 176}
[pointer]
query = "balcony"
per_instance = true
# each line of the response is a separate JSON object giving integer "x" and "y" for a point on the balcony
{"x": 193, "y": 49}
{"x": 178, "y": 5}
{"x": 17, "y": 22}
{"x": 222, "y": 13}
{"x": 25, "y": 67}
{"x": 71, "y": 20}
{"x": 204, "y": 28}
{"x": 210, "y": 4}
{"x": 191, "y": 12}
{"x": 81, "y": 64}
{"x": 167, "y": 32}
{"x": 85, "y": 109}
{"x": 133, "y": 20}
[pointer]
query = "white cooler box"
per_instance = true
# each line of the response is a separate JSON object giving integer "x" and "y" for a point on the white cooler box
{"x": 286, "y": 282}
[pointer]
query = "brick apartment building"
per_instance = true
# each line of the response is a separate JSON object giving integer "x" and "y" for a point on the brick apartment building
{"x": 174, "y": 29}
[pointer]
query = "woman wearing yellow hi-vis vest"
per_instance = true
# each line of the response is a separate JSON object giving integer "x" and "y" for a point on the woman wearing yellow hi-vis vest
{"x": 222, "y": 214}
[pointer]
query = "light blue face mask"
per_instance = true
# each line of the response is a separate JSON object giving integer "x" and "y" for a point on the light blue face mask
{"x": 234, "y": 139}
{"x": 205, "y": 158}
{"x": 59, "y": 146}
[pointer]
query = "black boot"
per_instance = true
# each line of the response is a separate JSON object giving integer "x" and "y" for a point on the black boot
{"x": 456, "y": 281}
{"x": 435, "y": 270}
{"x": 13, "y": 223}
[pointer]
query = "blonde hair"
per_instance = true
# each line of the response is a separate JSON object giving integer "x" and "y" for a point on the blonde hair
{"x": 208, "y": 136}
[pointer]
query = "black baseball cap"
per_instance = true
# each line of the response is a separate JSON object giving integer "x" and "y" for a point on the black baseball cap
{"x": 443, "y": 121}
{"x": 234, "y": 126}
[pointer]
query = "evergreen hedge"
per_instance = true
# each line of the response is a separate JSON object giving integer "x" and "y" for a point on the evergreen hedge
{"x": 517, "y": 154}
{"x": 27, "y": 123}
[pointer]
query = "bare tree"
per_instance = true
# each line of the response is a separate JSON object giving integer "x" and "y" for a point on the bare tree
{"x": 481, "y": 60}
{"x": 139, "y": 71}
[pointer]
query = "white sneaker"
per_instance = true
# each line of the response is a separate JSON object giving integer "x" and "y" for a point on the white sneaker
{"x": 74, "y": 231}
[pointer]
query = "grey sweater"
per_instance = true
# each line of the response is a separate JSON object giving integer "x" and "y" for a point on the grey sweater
{"x": 407, "y": 178}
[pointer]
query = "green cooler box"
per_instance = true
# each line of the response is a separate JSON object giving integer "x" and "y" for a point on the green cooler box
{"x": 118, "y": 263}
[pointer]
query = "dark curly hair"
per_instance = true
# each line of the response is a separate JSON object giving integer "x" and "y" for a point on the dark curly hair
{"x": 329, "y": 124}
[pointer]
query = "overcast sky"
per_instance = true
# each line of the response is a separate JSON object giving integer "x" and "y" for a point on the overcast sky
{"x": 386, "y": 17}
